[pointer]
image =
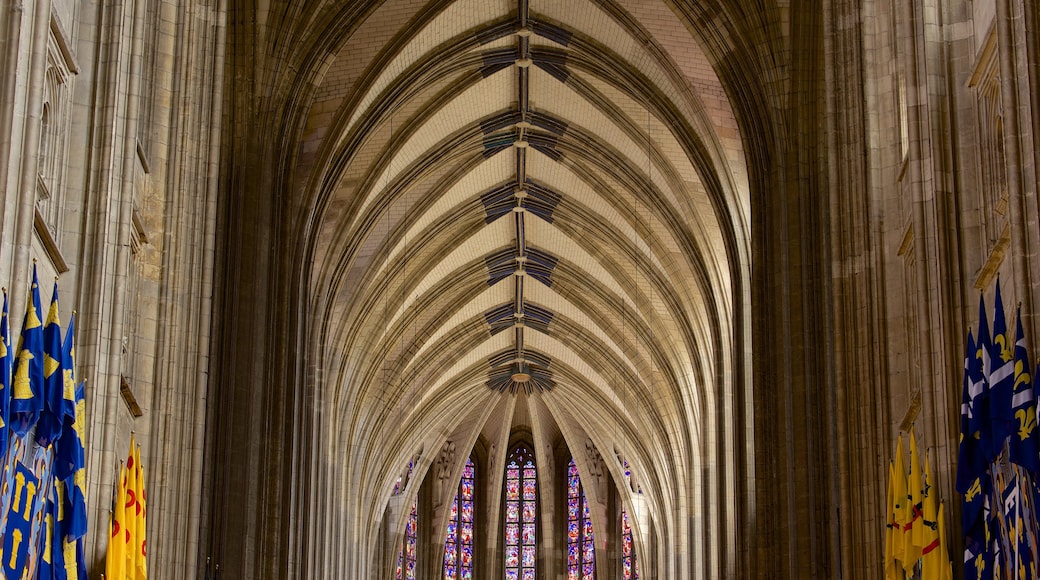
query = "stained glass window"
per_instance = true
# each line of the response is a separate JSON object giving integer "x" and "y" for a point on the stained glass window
{"x": 581, "y": 555}
{"x": 458, "y": 547}
{"x": 406, "y": 557}
{"x": 628, "y": 550}
{"x": 521, "y": 510}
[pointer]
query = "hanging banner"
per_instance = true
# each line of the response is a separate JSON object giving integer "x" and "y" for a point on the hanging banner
{"x": 22, "y": 505}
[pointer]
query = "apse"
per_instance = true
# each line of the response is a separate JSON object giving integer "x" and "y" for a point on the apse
{"x": 528, "y": 276}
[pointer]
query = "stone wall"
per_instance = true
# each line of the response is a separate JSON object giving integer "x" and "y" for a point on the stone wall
{"x": 109, "y": 130}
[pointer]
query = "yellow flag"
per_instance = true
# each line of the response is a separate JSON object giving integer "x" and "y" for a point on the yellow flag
{"x": 931, "y": 551}
{"x": 911, "y": 549}
{"x": 140, "y": 543}
{"x": 945, "y": 567}
{"x": 902, "y": 511}
{"x": 891, "y": 565}
{"x": 132, "y": 509}
{"x": 115, "y": 556}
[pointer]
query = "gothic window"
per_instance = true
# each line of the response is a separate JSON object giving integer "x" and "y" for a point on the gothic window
{"x": 135, "y": 266}
{"x": 991, "y": 129}
{"x": 152, "y": 88}
{"x": 629, "y": 566}
{"x": 521, "y": 510}
{"x": 44, "y": 161}
{"x": 993, "y": 133}
{"x": 993, "y": 185}
{"x": 51, "y": 160}
{"x": 458, "y": 547}
{"x": 581, "y": 559}
{"x": 406, "y": 558}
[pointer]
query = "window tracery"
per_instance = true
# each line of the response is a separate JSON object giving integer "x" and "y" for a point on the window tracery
{"x": 458, "y": 546}
{"x": 406, "y": 558}
{"x": 581, "y": 554}
{"x": 521, "y": 515}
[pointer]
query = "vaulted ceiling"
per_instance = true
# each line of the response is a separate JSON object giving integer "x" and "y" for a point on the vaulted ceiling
{"x": 527, "y": 199}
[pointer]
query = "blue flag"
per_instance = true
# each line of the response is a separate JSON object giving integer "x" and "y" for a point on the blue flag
{"x": 1001, "y": 378}
{"x": 975, "y": 484}
{"x": 17, "y": 535}
{"x": 81, "y": 560}
{"x": 68, "y": 454}
{"x": 48, "y": 428}
{"x": 971, "y": 461}
{"x": 1022, "y": 448}
{"x": 60, "y": 549}
{"x": 975, "y": 503}
{"x": 6, "y": 356}
{"x": 27, "y": 382}
{"x": 76, "y": 488}
{"x": 44, "y": 567}
{"x": 980, "y": 416}
{"x": 52, "y": 554}
{"x": 1002, "y": 526}
{"x": 978, "y": 559}
{"x": 68, "y": 365}
{"x": 1026, "y": 559}
{"x": 76, "y": 551}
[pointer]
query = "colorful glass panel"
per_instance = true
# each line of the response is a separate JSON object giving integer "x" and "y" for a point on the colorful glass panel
{"x": 406, "y": 558}
{"x": 458, "y": 546}
{"x": 628, "y": 551}
{"x": 521, "y": 495}
{"x": 581, "y": 553}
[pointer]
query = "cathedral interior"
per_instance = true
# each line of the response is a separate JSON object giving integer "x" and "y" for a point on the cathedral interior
{"x": 522, "y": 289}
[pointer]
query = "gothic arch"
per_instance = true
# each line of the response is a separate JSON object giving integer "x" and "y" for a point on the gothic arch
{"x": 389, "y": 137}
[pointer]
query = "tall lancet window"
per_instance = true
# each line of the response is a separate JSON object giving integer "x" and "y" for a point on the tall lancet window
{"x": 406, "y": 557}
{"x": 581, "y": 554}
{"x": 521, "y": 510}
{"x": 628, "y": 549}
{"x": 458, "y": 547}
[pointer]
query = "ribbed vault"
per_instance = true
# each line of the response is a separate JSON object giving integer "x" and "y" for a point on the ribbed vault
{"x": 525, "y": 188}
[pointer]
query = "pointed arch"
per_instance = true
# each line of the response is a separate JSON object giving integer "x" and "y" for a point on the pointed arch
{"x": 458, "y": 545}
{"x": 521, "y": 514}
{"x": 581, "y": 553}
